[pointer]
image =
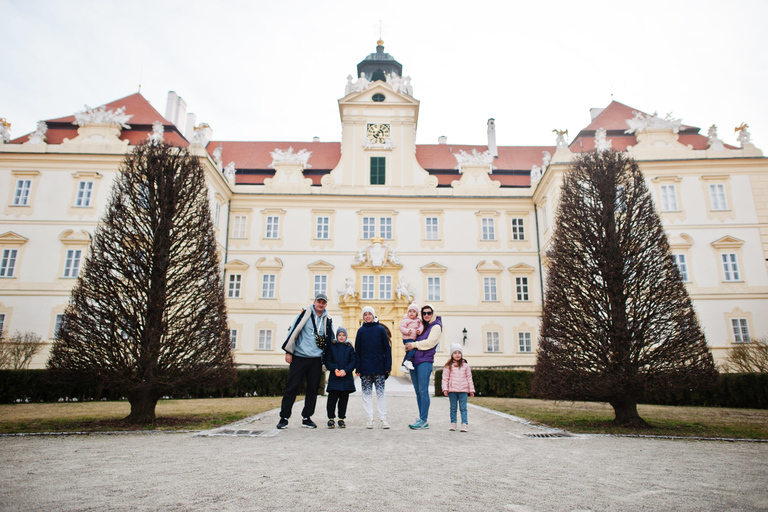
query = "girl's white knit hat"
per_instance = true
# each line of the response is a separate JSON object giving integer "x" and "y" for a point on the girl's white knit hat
{"x": 456, "y": 347}
{"x": 368, "y": 309}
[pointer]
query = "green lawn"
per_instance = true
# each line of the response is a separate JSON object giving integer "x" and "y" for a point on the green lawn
{"x": 596, "y": 418}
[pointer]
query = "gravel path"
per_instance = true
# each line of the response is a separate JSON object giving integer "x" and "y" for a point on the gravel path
{"x": 495, "y": 466}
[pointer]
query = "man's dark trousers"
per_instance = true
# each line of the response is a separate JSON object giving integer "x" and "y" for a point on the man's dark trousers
{"x": 311, "y": 368}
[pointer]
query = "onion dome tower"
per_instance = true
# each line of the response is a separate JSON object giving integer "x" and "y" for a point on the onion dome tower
{"x": 376, "y": 65}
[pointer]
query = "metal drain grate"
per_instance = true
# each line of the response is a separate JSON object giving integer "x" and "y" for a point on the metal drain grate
{"x": 547, "y": 435}
{"x": 229, "y": 432}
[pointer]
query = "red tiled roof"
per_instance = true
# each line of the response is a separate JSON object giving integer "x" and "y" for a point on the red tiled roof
{"x": 256, "y": 155}
{"x": 144, "y": 114}
{"x": 511, "y": 158}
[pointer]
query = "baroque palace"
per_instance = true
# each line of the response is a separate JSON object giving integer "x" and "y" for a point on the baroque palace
{"x": 378, "y": 220}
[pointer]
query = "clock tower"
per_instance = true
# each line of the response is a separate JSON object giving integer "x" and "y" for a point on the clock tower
{"x": 379, "y": 116}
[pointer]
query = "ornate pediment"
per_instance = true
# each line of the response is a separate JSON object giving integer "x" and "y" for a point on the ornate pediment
{"x": 727, "y": 242}
{"x": 236, "y": 265}
{"x": 377, "y": 255}
{"x": 9, "y": 237}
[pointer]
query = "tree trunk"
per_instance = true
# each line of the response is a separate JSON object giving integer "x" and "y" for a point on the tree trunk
{"x": 625, "y": 409}
{"x": 143, "y": 401}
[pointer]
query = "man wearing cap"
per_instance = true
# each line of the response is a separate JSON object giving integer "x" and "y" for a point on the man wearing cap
{"x": 310, "y": 333}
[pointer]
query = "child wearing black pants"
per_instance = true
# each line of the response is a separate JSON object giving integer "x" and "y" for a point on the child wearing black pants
{"x": 339, "y": 359}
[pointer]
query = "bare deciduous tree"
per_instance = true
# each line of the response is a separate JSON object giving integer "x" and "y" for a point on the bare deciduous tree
{"x": 749, "y": 357}
{"x": 148, "y": 312}
{"x": 617, "y": 324}
{"x": 17, "y": 351}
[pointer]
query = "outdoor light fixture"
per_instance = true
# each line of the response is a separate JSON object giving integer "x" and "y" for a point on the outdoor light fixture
{"x": 465, "y": 335}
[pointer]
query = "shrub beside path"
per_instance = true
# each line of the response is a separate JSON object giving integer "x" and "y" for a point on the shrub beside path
{"x": 502, "y": 463}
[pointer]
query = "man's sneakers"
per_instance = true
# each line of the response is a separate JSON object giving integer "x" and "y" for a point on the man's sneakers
{"x": 342, "y": 424}
{"x": 384, "y": 424}
{"x": 369, "y": 424}
{"x": 308, "y": 423}
{"x": 331, "y": 424}
{"x": 283, "y": 423}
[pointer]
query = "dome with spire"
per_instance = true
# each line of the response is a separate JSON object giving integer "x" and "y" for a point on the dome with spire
{"x": 377, "y": 65}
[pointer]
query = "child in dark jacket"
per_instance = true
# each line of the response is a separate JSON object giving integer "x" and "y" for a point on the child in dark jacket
{"x": 339, "y": 359}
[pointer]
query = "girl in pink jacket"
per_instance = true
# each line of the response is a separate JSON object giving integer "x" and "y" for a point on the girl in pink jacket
{"x": 410, "y": 327}
{"x": 457, "y": 384}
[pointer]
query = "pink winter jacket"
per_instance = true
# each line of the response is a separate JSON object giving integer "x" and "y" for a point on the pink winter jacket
{"x": 408, "y": 324}
{"x": 458, "y": 379}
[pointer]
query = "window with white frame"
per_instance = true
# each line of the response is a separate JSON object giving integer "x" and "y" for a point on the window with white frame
{"x": 58, "y": 323}
{"x": 740, "y": 330}
{"x": 730, "y": 267}
{"x": 385, "y": 287}
{"x": 273, "y": 227}
{"x": 233, "y": 289}
{"x": 492, "y": 341}
{"x": 239, "y": 226}
{"x": 268, "y": 286}
{"x": 518, "y": 230}
{"x": 72, "y": 263}
{"x": 682, "y": 266}
{"x": 434, "y": 292}
{"x": 8, "y": 262}
{"x": 385, "y": 228}
{"x": 431, "y": 228}
{"x": 668, "y": 198}
{"x": 321, "y": 284}
{"x": 717, "y": 196}
{"x": 368, "y": 287}
{"x": 21, "y": 194}
{"x": 369, "y": 227}
{"x": 84, "y": 192}
{"x": 216, "y": 213}
{"x": 233, "y": 339}
{"x": 489, "y": 233}
{"x": 524, "y": 342}
{"x": 265, "y": 339}
{"x": 2, "y": 323}
{"x": 323, "y": 228}
{"x": 521, "y": 289}
{"x": 489, "y": 289}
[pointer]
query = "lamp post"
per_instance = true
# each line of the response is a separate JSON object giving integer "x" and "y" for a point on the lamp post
{"x": 465, "y": 335}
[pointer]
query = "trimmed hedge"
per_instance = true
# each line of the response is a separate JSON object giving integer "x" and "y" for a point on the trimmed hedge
{"x": 34, "y": 386}
{"x": 501, "y": 383}
{"x": 739, "y": 390}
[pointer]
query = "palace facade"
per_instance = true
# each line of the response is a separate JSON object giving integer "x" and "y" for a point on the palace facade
{"x": 379, "y": 220}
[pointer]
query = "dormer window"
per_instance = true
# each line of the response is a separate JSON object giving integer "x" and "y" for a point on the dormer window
{"x": 378, "y": 97}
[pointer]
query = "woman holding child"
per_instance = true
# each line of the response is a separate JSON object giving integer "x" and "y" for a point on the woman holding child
{"x": 425, "y": 345}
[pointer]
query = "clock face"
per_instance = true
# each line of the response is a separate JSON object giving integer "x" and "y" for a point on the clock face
{"x": 378, "y": 133}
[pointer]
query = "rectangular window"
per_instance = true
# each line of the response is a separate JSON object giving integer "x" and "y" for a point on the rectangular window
{"x": 2, "y": 323}
{"x": 668, "y": 198}
{"x": 233, "y": 339}
{"x": 521, "y": 288}
{"x": 717, "y": 196}
{"x": 385, "y": 228}
{"x": 8, "y": 262}
{"x": 233, "y": 291}
{"x": 524, "y": 342}
{"x": 385, "y": 287}
{"x": 368, "y": 287}
{"x": 84, "y": 191}
{"x": 57, "y": 325}
{"x": 492, "y": 342}
{"x": 268, "y": 286}
{"x": 273, "y": 227}
{"x": 323, "y": 228}
{"x": 378, "y": 170}
{"x": 433, "y": 288}
{"x": 321, "y": 285}
{"x": 518, "y": 231}
{"x": 369, "y": 227}
{"x": 72, "y": 263}
{"x": 265, "y": 339}
{"x": 216, "y": 213}
{"x": 239, "y": 226}
{"x": 730, "y": 267}
{"x": 489, "y": 289}
{"x": 682, "y": 266}
{"x": 21, "y": 194}
{"x": 488, "y": 230}
{"x": 431, "y": 229}
{"x": 740, "y": 330}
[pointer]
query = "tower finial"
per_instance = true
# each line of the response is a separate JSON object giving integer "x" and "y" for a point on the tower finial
{"x": 380, "y": 42}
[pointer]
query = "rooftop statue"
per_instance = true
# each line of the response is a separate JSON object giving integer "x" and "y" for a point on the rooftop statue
{"x": 361, "y": 84}
{"x": 157, "y": 132}
{"x": 561, "y": 134}
{"x": 229, "y": 171}
{"x": 5, "y": 130}
{"x": 101, "y": 115}
{"x": 601, "y": 143}
{"x": 38, "y": 136}
{"x": 642, "y": 122}
{"x": 474, "y": 158}
{"x": 744, "y": 136}
{"x": 714, "y": 142}
{"x": 288, "y": 156}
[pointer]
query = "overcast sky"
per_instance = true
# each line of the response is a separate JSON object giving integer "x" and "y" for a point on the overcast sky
{"x": 275, "y": 70}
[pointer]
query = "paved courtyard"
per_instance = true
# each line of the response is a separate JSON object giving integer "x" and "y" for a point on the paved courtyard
{"x": 502, "y": 463}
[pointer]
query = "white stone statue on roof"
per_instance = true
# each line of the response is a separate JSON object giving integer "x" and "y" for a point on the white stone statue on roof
{"x": 474, "y": 158}
{"x": 744, "y": 136}
{"x": 288, "y": 156}
{"x": 535, "y": 174}
{"x": 101, "y": 115}
{"x": 397, "y": 82}
{"x": 202, "y": 135}
{"x": 561, "y": 134}
{"x": 601, "y": 143}
{"x": 157, "y": 132}
{"x": 714, "y": 141}
{"x": 38, "y": 136}
{"x": 361, "y": 84}
{"x": 5, "y": 131}
{"x": 408, "y": 86}
{"x": 546, "y": 157}
{"x": 217, "y": 156}
{"x": 348, "y": 87}
{"x": 642, "y": 122}
{"x": 229, "y": 172}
